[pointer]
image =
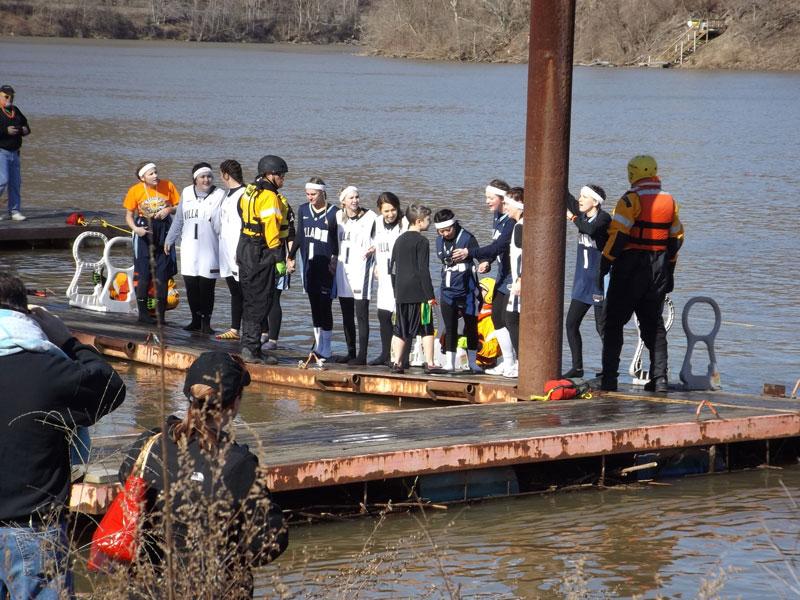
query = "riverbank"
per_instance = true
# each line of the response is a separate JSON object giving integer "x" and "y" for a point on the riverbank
{"x": 751, "y": 36}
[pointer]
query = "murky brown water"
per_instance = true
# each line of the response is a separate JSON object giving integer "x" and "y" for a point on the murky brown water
{"x": 436, "y": 132}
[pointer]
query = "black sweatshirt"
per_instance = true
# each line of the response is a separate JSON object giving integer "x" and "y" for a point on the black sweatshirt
{"x": 44, "y": 397}
{"x": 410, "y": 269}
{"x": 8, "y": 141}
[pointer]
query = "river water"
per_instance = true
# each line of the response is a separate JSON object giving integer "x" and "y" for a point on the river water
{"x": 436, "y": 133}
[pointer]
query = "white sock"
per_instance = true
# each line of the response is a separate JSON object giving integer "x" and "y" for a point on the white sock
{"x": 316, "y": 339}
{"x": 447, "y": 363}
{"x": 506, "y": 347}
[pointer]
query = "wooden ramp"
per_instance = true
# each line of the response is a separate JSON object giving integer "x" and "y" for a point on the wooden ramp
{"x": 48, "y": 228}
{"x": 314, "y": 452}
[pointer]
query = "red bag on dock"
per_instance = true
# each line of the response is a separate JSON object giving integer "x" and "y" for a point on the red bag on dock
{"x": 75, "y": 218}
{"x": 560, "y": 389}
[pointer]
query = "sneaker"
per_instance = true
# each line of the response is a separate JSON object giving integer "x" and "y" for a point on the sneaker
{"x": 269, "y": 345}
{"x": 17, "y": 216}
{"x": 231, "y": 334}
{"x": 512, "y": 371}
{"x": 497, "y": 370}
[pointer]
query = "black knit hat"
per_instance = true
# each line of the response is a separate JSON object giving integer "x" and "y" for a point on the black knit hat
{"x": 7, "y": 89}
{"x": 221, "y": 371}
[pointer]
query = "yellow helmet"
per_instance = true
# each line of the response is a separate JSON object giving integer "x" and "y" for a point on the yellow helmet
{"x": 487, "y": 285}
{"x": 640, "y": 167}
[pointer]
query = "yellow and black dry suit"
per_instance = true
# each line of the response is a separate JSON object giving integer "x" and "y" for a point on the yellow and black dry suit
{"x": 644, "y": 238}
{"x": 259, "y": 251}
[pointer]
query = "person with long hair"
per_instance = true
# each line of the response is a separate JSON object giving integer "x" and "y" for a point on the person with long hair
{"x": 317, "y": 241}
{"x": 223, "y": 519}
{"x": 587, "y": 213}
{"x": 149, "y": 206}
{"x": 387, "y": 229}
{"x": 194, "y": 226}
{"x": 354, "y": 272}
{"x": 230, "y": 228}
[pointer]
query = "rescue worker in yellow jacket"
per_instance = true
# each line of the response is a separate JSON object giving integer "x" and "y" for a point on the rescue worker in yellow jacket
{"x": 259, "y": 253}
{"x": 642, "y": 248}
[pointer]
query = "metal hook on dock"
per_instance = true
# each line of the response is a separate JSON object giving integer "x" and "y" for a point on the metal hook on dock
{"x": 711, "y": 380}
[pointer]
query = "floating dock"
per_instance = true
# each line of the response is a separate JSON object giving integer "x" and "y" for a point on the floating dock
{"x": 478, "y": 441}
{"x": 119, "y": 336}
{"x": 47, "y": 228}
{"x": 467, "y": 451}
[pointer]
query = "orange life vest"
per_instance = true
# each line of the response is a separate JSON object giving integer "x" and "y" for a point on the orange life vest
{"x": 650, "y": 231}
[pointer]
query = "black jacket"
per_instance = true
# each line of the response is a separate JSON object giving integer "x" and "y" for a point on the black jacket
{"x": 8, "y": 141}
{"x": 220, "y": 503}
{"x": 43, "y": 398}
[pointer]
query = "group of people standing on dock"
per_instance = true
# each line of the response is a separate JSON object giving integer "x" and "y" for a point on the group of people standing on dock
{"x": 251, "y": 236}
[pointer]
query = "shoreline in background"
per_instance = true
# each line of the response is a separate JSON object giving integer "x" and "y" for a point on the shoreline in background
{"x": 738, "y": 36}
{"x": 357, "y": 49}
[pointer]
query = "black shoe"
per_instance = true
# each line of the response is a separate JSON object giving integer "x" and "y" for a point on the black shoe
{"x": 357, "y": 361}
{"x": 608, "y": 385}
{"x": 658, "y": 385}
{"x": 193, "y": 326}
{"x": 377, "y": 362}
{"x": 251, "y": 357}
{"x": 342, "y": 358}
{"x": 269, "y": 359}
{"x": 435, "y": 370}
{"x": 573, "y": 372}
{"x": 205, "y": 326}
{"x": 397, "y": 369}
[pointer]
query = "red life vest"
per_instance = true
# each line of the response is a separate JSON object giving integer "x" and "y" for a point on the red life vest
{"x": 650, "y": 231}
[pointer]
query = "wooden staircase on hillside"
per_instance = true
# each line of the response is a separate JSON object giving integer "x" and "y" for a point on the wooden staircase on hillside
{"x": 691, "y": 38}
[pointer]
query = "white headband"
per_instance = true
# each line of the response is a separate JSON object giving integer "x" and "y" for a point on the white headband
{"x": 514, "y": 203}
{"x": 145, "y": 169}
{"x": 490, "y": 189}
{"x": 346, "y": 191}
{"x": 587, "y": 191}
{"x": 445, "y": 224}
{"x": 315, "y": 186}
{"x": 201, "y": 171}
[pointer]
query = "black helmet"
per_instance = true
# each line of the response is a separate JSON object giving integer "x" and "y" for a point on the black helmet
{"x": 272, "y": 164}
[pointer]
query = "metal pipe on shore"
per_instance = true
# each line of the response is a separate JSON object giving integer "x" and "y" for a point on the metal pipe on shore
{"x": 546, "y": 180}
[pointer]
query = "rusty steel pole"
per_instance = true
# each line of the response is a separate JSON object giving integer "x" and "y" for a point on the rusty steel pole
{"x": 546, "y": 174}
